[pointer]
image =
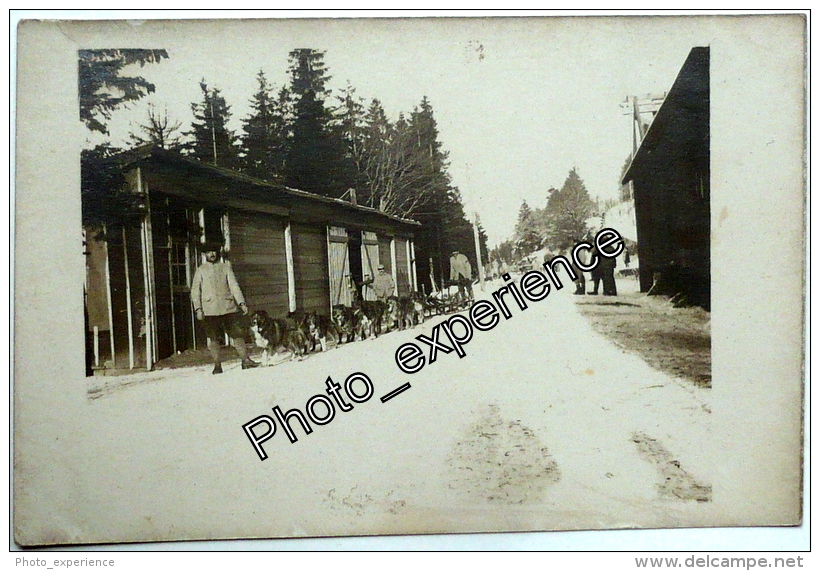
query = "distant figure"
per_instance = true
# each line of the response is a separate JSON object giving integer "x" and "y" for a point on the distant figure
{"x": 626, "y": 258}
{"x": 505, "y": 269}
{"x": 494, "y": 270}
{"x": 219, "y": 305}
{"x": 581, "y": 282}
{"x": 461, "y": 273}
{"x": 607, "y": 266}
{"x": 596, "y": 274}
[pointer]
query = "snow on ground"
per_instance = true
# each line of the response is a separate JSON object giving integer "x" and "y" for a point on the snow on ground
{"x": 543, "y": 424}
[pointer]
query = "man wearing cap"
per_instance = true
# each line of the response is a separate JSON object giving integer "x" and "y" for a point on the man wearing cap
{"x": 383, "y": 285}
{"x": 461, "y": 273}
{"x": 220, "y": 305}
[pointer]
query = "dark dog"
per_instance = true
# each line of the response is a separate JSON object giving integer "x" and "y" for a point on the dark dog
{"x": 369, "y": 315}
{"x": 392, "y": 315}
{"x": 297, "y": 336}
{"x": 268, "y": 333}
{"x": 417, "y": 310}
{"x": 320, "y": 329}
{"x": 345, "y": 320}
{"x": 400, "y": 312}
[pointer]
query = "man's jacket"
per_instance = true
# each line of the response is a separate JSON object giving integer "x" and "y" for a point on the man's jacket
{"x": 460, "y": 268}
{"x": 215, "y": 290}
{"x": 383, "y": 286}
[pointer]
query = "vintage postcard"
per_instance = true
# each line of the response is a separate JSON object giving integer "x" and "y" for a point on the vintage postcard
{"x": 285, "y": 278}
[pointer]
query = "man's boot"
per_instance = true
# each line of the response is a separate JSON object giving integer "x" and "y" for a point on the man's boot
{"x": 248, "y": 364}
{"x": 217, "y": 369}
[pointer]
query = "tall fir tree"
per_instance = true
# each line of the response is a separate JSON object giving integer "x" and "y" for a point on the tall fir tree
{"x": 316, "y": 159}
{"x": 103, "y": 89}
{"x": 528, "y": 237}
{"x": 351, "y": 124}
{"x": 212, "y": 141}
{"x": 159, "y": 131}
{"x": 379, "y": 160}
{"x": 265, "y": 138}
{"x": 567, "y": 212}
{"x": 426, "y": 161}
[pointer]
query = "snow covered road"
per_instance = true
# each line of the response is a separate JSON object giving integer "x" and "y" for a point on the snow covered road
{"x": 543, "y": 424}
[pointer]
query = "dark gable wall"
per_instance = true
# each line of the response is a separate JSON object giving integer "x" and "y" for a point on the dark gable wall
{"x": 671, "y": 175}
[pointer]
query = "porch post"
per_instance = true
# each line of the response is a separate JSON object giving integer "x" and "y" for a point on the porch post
{"x": 291, "y": 271}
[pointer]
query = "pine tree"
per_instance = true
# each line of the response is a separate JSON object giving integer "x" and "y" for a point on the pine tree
{"x": 567, "y": 212}
{"x": 158, "y": 131}
{"x": 528, "y": 238}
{"x": 264, "y": 143}
{"x": 212, "y": 141}
{"x": 379, "y": 159}
{"x": 308, "y": 73}
{"x": 102, "y": 89}
{"x": 426, "y": 161}
{"x": 351, "y": 119}
{"x": 316, "y": 159}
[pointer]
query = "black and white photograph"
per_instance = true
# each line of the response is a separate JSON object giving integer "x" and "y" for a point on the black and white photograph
{"x": 293, "y": 278}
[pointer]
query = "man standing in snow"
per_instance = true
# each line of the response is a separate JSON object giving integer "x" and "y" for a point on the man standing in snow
{"x": 382, "y": 284}
{"x": 461, "y": 273}
{"x": 220, "y": 305}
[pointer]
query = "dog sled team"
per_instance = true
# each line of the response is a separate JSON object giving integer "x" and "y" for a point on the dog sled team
{"x": 301, "y": 333}
{"x": 221, "y": 310}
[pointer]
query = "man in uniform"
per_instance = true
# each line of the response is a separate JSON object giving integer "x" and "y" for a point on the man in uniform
{"x": 383, "y": 285}
{"x": 461, "y": 273}
{"x": 220, "y": 305}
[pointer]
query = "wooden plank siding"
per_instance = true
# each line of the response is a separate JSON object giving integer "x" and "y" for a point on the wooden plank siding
{"x": 311, "y": 268}
{"x": 257, "y": 255}
{"x": 403, "y": 284}
{"x": 370, "y": 261}
{"x": 339, "y": 266}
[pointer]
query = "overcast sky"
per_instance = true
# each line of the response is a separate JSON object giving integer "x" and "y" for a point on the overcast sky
{"x": 519, "y": 101}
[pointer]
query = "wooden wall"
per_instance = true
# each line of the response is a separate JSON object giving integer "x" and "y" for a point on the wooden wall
{"x": 403, "y": 277}
{"x": 339, "y": 266}
{"x": 311, "y": 268}
{"x": 370, "y": 260}
{"x": 258, "y": 259}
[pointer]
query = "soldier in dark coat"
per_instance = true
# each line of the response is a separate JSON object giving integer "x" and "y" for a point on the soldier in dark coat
{"x": 596, "y": 274}
{"x": 607, "y": 266}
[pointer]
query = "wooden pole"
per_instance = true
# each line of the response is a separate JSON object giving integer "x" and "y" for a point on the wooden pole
{"x": 148, "y": 277}
{"x": 413, "y": 276}
{"x": 108, "y": 296}
{"x": 128, "y": 302}
{"x": 290, "y": 267}
{"x": 478, "y": 251}
{"x": 96, "y": 346}
{"x": 393, "y": 268}
{"x": 170, "y": 244}
{"x": 409, "y": 267}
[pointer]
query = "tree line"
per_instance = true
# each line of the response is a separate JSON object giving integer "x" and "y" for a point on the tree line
{"x": 300, "y": 135}
{"x": 557, "y": 226}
